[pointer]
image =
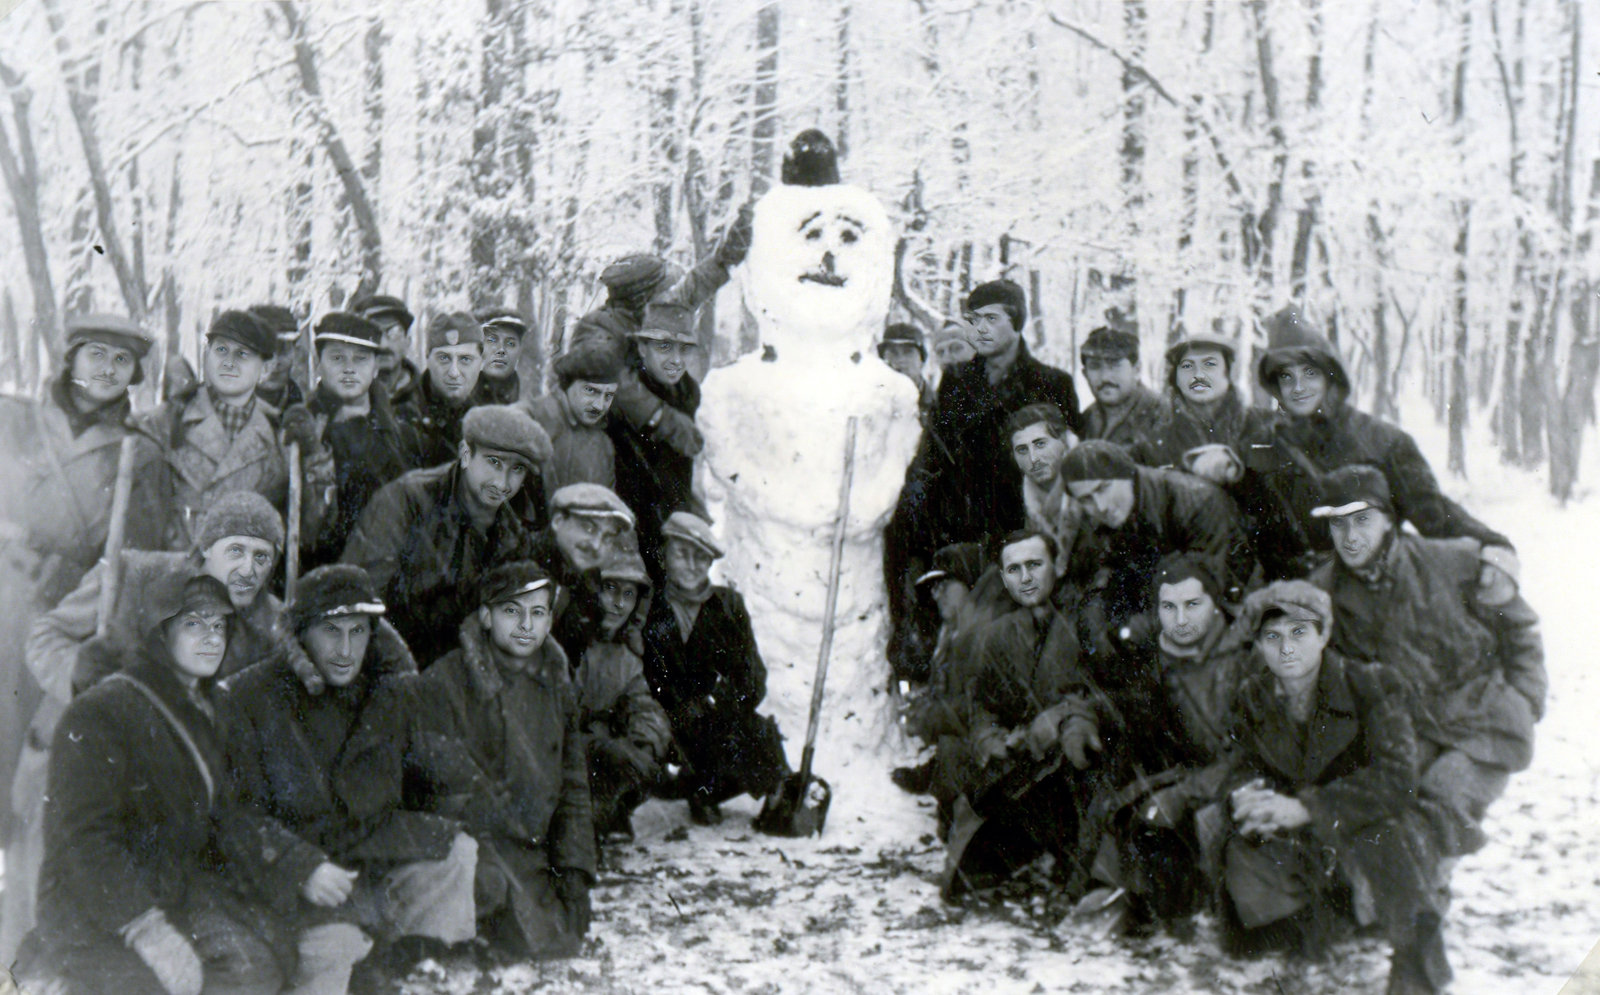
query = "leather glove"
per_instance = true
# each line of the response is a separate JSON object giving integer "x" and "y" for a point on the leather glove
{"x": 678, "y": 430}
{"x": 179, "y": 382}
{"x": 736, "y": 243}
{"x": 572, "y": 886}
{"x": 1078, "y": 736}
{"x": 166, "y": 952}
{"x": 300, "y": 426}
{"x": 1215, "y": 462}
{"x": 1497, "y": 579}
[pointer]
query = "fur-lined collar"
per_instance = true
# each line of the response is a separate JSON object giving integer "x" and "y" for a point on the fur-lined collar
{"x": 387, "y": 655}
{"x": 487, "y": 678}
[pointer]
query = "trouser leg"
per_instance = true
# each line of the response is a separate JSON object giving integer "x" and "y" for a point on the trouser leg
{"x": 434, "y": 898}
{"x": 327, "y": 956}
{"x": 1263, "y": 882}
{"x": 1464, "y": 788}
{"x": 235, "y": 961}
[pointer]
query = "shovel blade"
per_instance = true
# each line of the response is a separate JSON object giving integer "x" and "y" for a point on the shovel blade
{"x": 798, "y": 808}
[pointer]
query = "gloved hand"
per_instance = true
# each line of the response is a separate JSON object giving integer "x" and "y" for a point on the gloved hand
{"x": 736, "y": 243}
{"x": 1497, "y": 579}
{"x": 678, "y": 430}
{"x": 1045, "y": 730}
{"x": 166, "y": 952}
{"x": 634, "y": 756}
{"x": 1078, "y": 736}
{"x": 988, "y": 744}
{"x": 179, "y": 382}
{"x": 572, "y": 886}
{"x": 1215, "y": 462}
{"x": 300, "y": 426}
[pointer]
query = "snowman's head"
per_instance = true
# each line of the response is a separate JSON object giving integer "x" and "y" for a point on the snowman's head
{"x": 820, "y": 266}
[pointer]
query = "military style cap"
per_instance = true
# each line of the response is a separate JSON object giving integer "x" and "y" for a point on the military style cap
{"x": 333, "y": 590}
{"x": 902, "y": 333}
{"x": 1354, "y": 488}
{"x": 502, "y": 318}
{"x": 512, "y": 580}
{"x": 383, "y": 305}
{"x": 456, "y": 328}
{"x": 278, "y": 319}
{"x": 592, "y": 500}
{"x": 692, "y": 529}
{"x": 633, "y": 275}
{"x": 342, "y": 326}
{"x": 509, "y": 429}
{"x": 961, "y": 561}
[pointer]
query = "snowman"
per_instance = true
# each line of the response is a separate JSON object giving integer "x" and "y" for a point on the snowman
{"x": 817, "y": 279}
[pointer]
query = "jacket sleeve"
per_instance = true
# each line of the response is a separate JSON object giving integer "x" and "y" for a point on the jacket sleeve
{"x": 1381, "y": 789}
{"x": 1521, "y": 649}
{"x": 1216, "y": 530}
{"x": 1417, "y": 497}
{"x": 572, "y": 825}
{"x": 750, "y": 684}
{"x": 52, "y": 652}
{"x": 646, "y": 719}
{"x": 376, "y": 542}
{"x": 698, "y": 285}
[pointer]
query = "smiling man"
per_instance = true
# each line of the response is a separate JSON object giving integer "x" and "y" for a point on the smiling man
{"x": 574, "y": 416}
{"x": 425, "y": 537}
{"x": 587, "y": 522}
{"x": 1204, "y": 428}
{"x": 454, "y": 364}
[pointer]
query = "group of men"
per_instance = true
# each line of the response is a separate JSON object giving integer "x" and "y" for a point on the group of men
{"x": 1181, "y": 649}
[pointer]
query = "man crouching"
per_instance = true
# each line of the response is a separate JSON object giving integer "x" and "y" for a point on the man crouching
{"x": 502, "y": 751}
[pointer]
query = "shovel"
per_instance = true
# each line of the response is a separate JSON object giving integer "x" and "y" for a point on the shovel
{"x": 800, "y": 805}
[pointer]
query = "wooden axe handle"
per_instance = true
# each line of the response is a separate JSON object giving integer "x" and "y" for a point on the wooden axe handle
{"x": 291, "y": 543}
{"x": 116, "y": 534}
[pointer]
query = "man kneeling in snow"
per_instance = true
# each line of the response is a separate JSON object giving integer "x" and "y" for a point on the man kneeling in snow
{"x": 501, "y": 750}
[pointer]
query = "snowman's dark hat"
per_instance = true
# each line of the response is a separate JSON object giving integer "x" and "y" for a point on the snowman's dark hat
{"x": 812, "y": 161}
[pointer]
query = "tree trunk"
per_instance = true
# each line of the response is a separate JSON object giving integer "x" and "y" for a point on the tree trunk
{"x": 1267, "y": 225}
{"x": 1135, "y": 28}
{"x": 841, "y": 82}
{"x": 21, "y": 171}
{"x": 1306, "y": 219}
{"x": 764, "y": 129}
{"x": 1463, "y": 213}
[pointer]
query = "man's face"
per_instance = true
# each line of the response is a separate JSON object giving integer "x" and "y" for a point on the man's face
{"x": 666, "y": 361}
{"x": 198, "y": 641}
{"x": 618, "y": 598}
{"x": 992, "y": 331}
{"x": 584, "y": 539}
{"x": 347, "y": 369}
{"x": 453, "y": 371}
{"x": 1038, "y": 453}
{"x": 904, "y": 359}
{"x": 1028, "y": 571}
{"x": 687, "y": 565}
{"x": 492, "y": 476}
{"x": 337, "y": 644}
{"x": 1301, "y": 388}
{"x": 275, "y": 371}
{"x": 243, "y": 563}
{"x": 1112, "y": 378}
{"x": 392, "y": 346}
{"x": 500, "y": 349}
{"x": 1203, "y": 375}
{"x": 1290, "y": 648}
{"x": 232, "y": 369}
{"x": 589, "y": 402}
{"x": 949, "y": 594}
{"x": 1107, "y": 502}
{"x": 952, "y": 351}
{"x": 518, "y": 627}
{"x": 103, "y": 371}
{"x": 1358, "y": 537}
{"x": 1187, "y": 612}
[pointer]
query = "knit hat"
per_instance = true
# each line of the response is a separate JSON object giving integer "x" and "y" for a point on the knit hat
{"x": 1002, "y": 292}
{"x": 502, "y": 318}
{"x": 243, "y": 328}
{"x": 341, "y": 326}
{"x": 279, "y": 320}
{"x": 240, "y": 513}
{"x": 961, "y": 561}
{"x": 1300, "y": 600}
{"x": 113, "y": 330}
{"x": 456, "y": 328}
{"x": 1110, "y": 343}
{"x": 509, "y": 429}
{"x": 902, "y": 334}
{"x": 381, "y": 305}
{"x": 1096, "y": 459}
{"x": 595, "y": 362}
{"x": 634, "y": 276}
{"x": 668, "y": 323}
{"x": 692, "y": 529}
{"x": 1292, "y": 338}
{"x": 592, "y": 500}
{"x": 1354, "y": 488}
{"x": 336, "y": 589}
{"x": 514, "y": 579}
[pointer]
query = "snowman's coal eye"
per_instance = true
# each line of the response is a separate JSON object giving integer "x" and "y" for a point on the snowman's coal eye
{"x": 813, "y": 234}
{"x": 848, "y": 237}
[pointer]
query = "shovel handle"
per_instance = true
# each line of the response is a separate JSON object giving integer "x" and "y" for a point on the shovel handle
{"x": 116, "y": 533}
{"x": 291, "y": 542}
{"x": 835, "y": 562}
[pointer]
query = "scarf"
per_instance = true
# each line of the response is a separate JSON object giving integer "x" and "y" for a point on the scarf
{"x": 233, "y": 418}
{"x": 110, "y": 413}
{"x": 686, "y": 604}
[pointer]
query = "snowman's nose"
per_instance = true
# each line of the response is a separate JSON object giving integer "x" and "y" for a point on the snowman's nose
{"x": 827, "y": 261}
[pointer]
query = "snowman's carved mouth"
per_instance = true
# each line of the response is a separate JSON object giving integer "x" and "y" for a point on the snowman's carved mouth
{"x": 823, "y": 277}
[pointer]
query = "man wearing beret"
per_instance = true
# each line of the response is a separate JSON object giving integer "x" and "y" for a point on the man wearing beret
{"x": 220, "y": 440}
{"x": 425, "y": 537}
{"x": 397, "y": 374}
{"x": 351, "y": 418}
{"x": 574, "y": 416}
{"x": 1124, "y": 409}
{"x": 634, "y": 282}
{"x": 503, "y": 331}
{"x": 238, "y": 543}
{"x": 285, "y": 379}
{"x": 587, "y": 522}
{"x": 454, "y": 363}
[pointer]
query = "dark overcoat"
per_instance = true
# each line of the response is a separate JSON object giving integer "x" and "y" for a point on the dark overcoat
{"x": 1129, "y": 426}
{"x": 368, "y": 452}
{"x": 434, "y": 423}
{"x": 653, "y": 478}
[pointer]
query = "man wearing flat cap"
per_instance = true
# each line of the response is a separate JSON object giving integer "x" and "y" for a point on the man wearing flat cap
{"x": 1124, "y": 409}
{"x": 285, "y": 377}
{"x": 425, "y": 537}
{"x": 574, "y": 416}
{"x": 703, "y": 664}
{"x": 503, "y": 332}
{"x": 454, "y": 364}
{"x": 397, "y": 374}
{"x": 587, "y": 522}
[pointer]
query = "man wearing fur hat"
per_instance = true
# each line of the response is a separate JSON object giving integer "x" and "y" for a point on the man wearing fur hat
{"x": 500, "y": 749}
{"x": 574, "y": 416}
{"x": 238, "y": 543}
{"x": 397, "y": 374}
{"x": 1204, "y": 429}
{"x": 1317, "y": 430}
{"x": 319, "y": 755}
{"x": 1124, "y": 409}
{"x": 454, "y": 364}
{"x": 587, "y": 523}
{"x": 1474, "y": 660}
{"x": 703, "y": 664}
{"x": 503, "y": 331}
{"x": 427, "y": 535}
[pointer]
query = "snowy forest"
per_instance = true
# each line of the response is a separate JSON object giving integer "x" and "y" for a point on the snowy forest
{"x": 1423, "y": 178}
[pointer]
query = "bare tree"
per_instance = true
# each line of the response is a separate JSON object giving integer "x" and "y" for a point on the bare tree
{"x": 21, "y": 169}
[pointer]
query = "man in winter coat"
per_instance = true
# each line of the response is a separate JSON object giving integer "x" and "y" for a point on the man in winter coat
{"x": 454, "y": 364}
{"x": 1474, "y": 661}
{"x": 901, "y": 347}
{"x": 351, "y": 420}
{"x": 500, "y": 749}
{"x": 1124, "y": 409}
{"x": 318, "y": 756}
{"x": 574, "y": 416}
{"x": 503, "y": 330}
{"x": 1316, "y": 432}
{"x": 426, "y": 537}
{"x": 1204, "y": 429}
{"x": 219, "y": 440}
{"x": 61, "y": 454}
{"x": 587, "y": 522}
{"x": 397, "y": 374}
{"x": 285, "y": 377}
{"x": 238, "y": 543}
{"x": 702, "y": 663}
{"x": 1038, "y": 437}
{"x": 1317, "y": 798}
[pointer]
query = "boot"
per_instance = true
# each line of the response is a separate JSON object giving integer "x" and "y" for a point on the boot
{"x": 704, "y": 812}
{"x": 913, "y": 780}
